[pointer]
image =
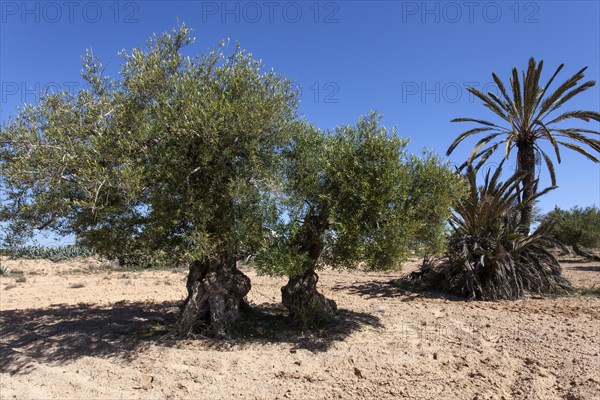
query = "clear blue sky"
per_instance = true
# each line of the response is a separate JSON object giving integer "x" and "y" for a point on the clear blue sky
{"x": 412, "y": 61}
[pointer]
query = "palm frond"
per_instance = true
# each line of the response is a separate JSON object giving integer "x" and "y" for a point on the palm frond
{"x": 504, "y": 92}
{"x": 572, "y": 94}
{"x": 549, "y": 165}
{"x": 558, "y": 93}
{"x": 508, "y": 107}
{"x": 531, "y": 89}
{"x": 489, "y": 103}
{"x": 463, "y": 136}
{"x": 543, "y": 93}
{"x": 484, "y": 142}
{"x": 578, "y": 137}
{"x": 509, "y": 146}
{"x": 482, "y": 156}
{"x": 544, "y": 132}
{"x": 577, "y": 114}
{"x": 479, "y": 121}
{"x": 516, "y": 90}
{"x": 568, "y": 131}
{"x": 579, "y": 150}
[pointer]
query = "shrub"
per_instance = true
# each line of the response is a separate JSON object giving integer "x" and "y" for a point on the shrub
{"x": 577, "y": 226}
{"x": 54, "y": 253}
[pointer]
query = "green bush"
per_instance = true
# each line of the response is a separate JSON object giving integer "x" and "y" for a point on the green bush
{"x": 53, "y": 253}
{"x": 578, "y": 226}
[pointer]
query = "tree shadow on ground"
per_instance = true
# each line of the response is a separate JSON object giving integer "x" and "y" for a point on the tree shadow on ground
{"x": 270, "y": 323}
{"x": 61, "y": 333}
{"x": 64, "y": 333}
{"x": 570, "y": 261}
{"x": 394, "y": 288}
{"x": 586, "y": 268}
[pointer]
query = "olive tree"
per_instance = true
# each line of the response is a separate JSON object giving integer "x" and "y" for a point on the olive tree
{"x": 579, "y": 226}
{"x": 352, "y": 198}
{"x": 174, "y": 160}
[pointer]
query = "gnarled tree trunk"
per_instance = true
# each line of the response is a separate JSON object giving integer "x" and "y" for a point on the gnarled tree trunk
{"x": 301, "y": 298}
{"x": 216, "y": 291}
{"x": 300, "y": 295}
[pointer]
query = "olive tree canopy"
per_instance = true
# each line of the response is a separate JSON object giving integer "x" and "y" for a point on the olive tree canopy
{"x": 353, "y": 198}
{"x": 170, "y": 162}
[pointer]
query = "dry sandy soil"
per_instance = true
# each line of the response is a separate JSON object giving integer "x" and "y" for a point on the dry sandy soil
{"x": 80, "y": 331}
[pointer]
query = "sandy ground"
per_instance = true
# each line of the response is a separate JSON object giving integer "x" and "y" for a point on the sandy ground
{"x": 80, "y": 331}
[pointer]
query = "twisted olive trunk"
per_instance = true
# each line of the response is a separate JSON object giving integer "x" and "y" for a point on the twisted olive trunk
{"x": 300, "y": 295}
{"x": 216, "y": 287}
{"x": 526, "y": 166}
{"x": 216, "y": 292}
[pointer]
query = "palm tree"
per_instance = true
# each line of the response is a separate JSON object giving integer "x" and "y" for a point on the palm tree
{"x": 486, "y": 258}
{"x": 528, "y": 118}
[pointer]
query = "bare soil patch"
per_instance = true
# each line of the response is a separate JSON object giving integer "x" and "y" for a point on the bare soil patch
{"x": 80, "y": 330}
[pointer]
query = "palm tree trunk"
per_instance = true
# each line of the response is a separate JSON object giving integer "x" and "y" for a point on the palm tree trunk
{"x": 526, "y": 166}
